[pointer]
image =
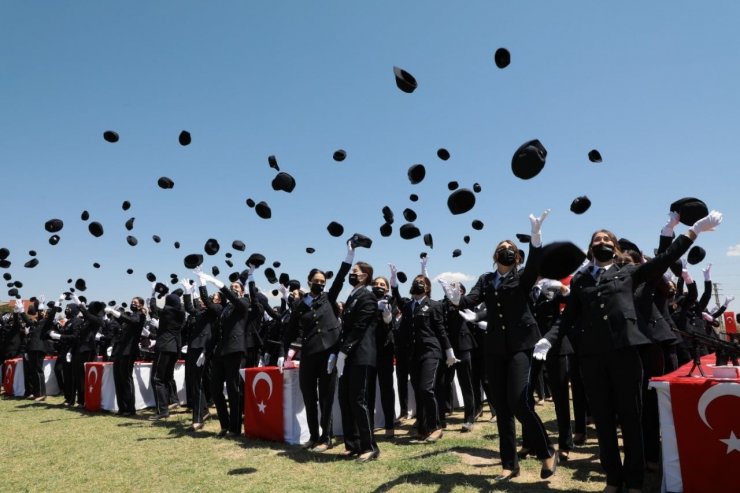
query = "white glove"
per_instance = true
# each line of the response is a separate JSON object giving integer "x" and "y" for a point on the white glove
{"x": 42, "y": 300}
{"x": 283, "y": 292}
{"x": 109, "y": 351}
{"x": 281, "y": 363}
{"x": 728, "y": 300}
{"x": 451, "y": 290}
{"x": 387, "y": 317}
{"x": 54, "y": 335}
{"x": 154, "y": 322}
{"x": 213, "y": 281}
{"x": 707, "y": 317}
{"x": 261, "y": 362}
{"x": 18, "y": 306}
{"x": 382, "y": 305}
{"x": 188, "y": 285}
{"x": 467, "y": 315}
{"x": 341, "y": 357}
{"x": 68, "y": 357}
{"x": 350, "y": 253}
{"x": 424, "y": 261}
{"x": 483, "y": 324}
{"x": 25, "y": 356}
{"x": 536, "y": 223}
{"x": 201, "y": 359}
{"x": 708, "y": 223}
{"x": 198, "y": 272}
{"x": 541, "y": 349}
{"x": 331, "y": 363}
{"x": 673, "y": 220}
{"x": 291, "y": 354}
{"x": 387, "y": 310}
{"x": 250, "y": 273}
{"x": 98, "y": 336}
{"x": 145, "y": 332}
{"x": 184, "y": 349}
{"x": 152, "y": 343}
{"x": 550, "y": 285}
{"x": 27, "y": 331}
{"x": 705, "y": 271}
{"x": 450, "y": 356}
{"x": 685, "y": 272}
{"x": 394, "y": 275}
{"x": 154, "y": 292}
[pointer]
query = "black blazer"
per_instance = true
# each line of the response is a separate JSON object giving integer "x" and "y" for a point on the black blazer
{"x": 12, "y": 336}
{"x": 39, "y": 331}
{"x": 605, "y": 310}
{"x": 199, "y": 336}
{"x": 459, "y": 330}
{"x": 127, "y": 342}
{"x": 511, "y": 325}
{"x": 238, "y": 323}
{"x": 171, "y": 321}
{"x": 428, "y": 335}
{"x": 316, "y": 329}
{"x": 92, "y": 322}
{"x": 359, "y": 321}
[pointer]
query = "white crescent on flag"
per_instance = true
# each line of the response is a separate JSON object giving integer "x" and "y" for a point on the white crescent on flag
{"x": 93, "y": 371}
{"x": 712, "y": 393}
{"x": 9, "y": 374}
{"x": 262, "y": 376}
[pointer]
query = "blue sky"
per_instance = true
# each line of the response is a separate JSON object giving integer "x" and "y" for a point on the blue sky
{"x": 652, "y": 85}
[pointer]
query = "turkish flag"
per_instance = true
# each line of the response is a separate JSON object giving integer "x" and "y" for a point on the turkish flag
{"x": 730, "y": 324}
{"x": 263, "y": 403}
{"x": 9, "y": 376}
{"x": 93, "y": 385}
{"x": 705, "y": 414}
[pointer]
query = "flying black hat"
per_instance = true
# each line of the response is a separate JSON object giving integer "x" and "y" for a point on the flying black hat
{"x": 416, "y": 173}
{"x": 409, "y": 231}
{"x": 690, "y": 209}
{"x": 96, "y": 229}
{"x": 461, "y": 201}
{"x": 502, "y": 58}
{"x": 283, "y": 181}
{"x": 272, "y": 161}
{"x": 263, "y": 210}
{"x": 54, "y": 225}
{"x": 388, "y": 214}
{"x": 310, "y": 250}
{"x": 176, "y": 244}
{"x": 443, "y": 154}
{"x": 456, "y": 252}
{"x": 560, "y": 259}
{"x": 32, "y": 253}
{"x": 229, "y": 263}
{"x": 80, "y": 285}
{"x": 4, "y": 252}
{"x": 161, "y": 289}
{"x": 238, "y": 245}
{"x": 184, "y": 138}
{"x": 276, "y": 264}
{"x": 151, "y": 277}
{"x": 360, "y": 240}
{"x": 409, "y": 215}
{"x": 85, "y": 215}
{"x": 528, "y": 160}
{"x": 453, "y": 185}
{"x": 335, "y": 229}
{"x": 404, "y": 80}
{"x": 110, "y": 136}
{"x": 523, "y": 238}
{"x": 284, "y": 279}
{"x": 250, "y": 203}
{"x": 580, "y": 204}
{"x": 193, "y": 260}
{"x": 477, "y": 224}
{"x": 476, "y": 187}
{"x": 131, "y": 240}
{"x": 96, "y": 265}
{"x": 233, "y": 277}
{"x": 401, "y": 277}
{"x": 126, "y": 205}
{"x": 130, "y": 224}
{"x": 215, "y": 271}
{"x": 696, "y": 255}
{"x": 54, "y": 239}
{"x": 129, "y": 271}
{"x": 165, "y": 183}
{"x": 31, "y": 263}
{"x": 413, "y": 197}
{"x": 156, "y": 238}
{"x": 466, "y": 239}
{"x": 428, "y": 240}
{"x": 211, "y": 247}
{"x": 386, "y": 230}
{"x": 270, "y": 275}
{"x": 256, "y": 259}
{"x": 339, "y": 155}
{"x": 594, "y": 156}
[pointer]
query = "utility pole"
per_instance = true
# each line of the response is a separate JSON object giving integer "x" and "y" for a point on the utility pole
{"x": 716, "y": 292}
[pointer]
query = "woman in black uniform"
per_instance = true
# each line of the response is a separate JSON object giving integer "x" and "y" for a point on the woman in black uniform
{"x": 124, "y": 354}
{"x": 384, "y": 341}
{"x": 602, "y": 303}
{"x": 510, "y": 339}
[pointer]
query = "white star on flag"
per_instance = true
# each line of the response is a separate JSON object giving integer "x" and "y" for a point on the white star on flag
{"x": 262, "y": 406}
{"x": 91, "y": 388}
{"x": 733, "y": 443}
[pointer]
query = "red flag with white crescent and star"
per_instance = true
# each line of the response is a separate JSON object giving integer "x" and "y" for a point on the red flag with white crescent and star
{"x": 730, "y": 324}
{"x": 263, "y": 403}
{"x": 93, "y": 385}
{"x": 9, "y": 376}
{"x": 705, "y": 415}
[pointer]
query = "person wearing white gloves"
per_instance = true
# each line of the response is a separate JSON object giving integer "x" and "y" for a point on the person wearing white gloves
{"x": 36, "y": 349}
{"x": 312, "y": 334}
{"x": 601, "y": 305}
{"x": 385, "y": 344}
{"x": 66, "y": 338}
{"x": 84, "y": 350}
{"x": 125, "y": 351}
{"x": 511, "y": 337}
{"x": 356, "y": 360}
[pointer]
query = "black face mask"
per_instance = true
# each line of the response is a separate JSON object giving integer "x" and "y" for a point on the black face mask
{"x": 417, "y": 288}
{"x": 378, "y": 292}
{"x": 353, "y": 280}
{"x": 316, "y": 289}
{"x": 603, "y": 253}
{"x": 506, "y": 257}
{"x": 135, "y": 308}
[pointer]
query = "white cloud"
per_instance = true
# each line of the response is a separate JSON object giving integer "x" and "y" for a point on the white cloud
{"x": 733, "y": 251}
{"x": 454, "y": 276}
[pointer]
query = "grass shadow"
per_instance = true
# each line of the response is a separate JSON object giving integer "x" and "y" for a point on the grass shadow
{"x": 242, "y": 470}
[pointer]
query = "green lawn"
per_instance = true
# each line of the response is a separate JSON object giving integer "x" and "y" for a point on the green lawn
{"x": 50, "y": 448}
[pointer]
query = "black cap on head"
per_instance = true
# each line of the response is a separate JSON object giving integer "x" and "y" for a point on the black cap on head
{"x": 54, "y": 225}
{"x": 263, "y": 210}
{"x": 270, "y": 275}
{"x": 96, "y": 229}
{"x": 131, "y": 240}
{"x": 696, "y": 255}
{"x": 31, "y": 263}
{"x": 165, "y": 183}
{"x": 229, "y": 263}
{"x": 466, "y": 239}
{"x": 690, "y": 209}
{"x": 523, "y": 238}
{"x": 151, "y": 277}
{"x": 461, "y": 201}
{"x": 156, "y": 238}
{"x": 272, "y": 161}
{"x": 580, "y": 204}
{"x": 443, "y": 154}
{"x": 409, "y": 215}
{"x": 283, "y": 181}
{"x": 409, "y": 231}
{"x": 184, "y": 138}
{"x": 594, "y": 156}
{"x": 428, "y": 240}
{"x": 413, "y": 197}
{"x": 339, "y": 155}
{"x": 560, "y": 259}
{"x": 110, "y": 136}
{"x": 256, "y": 259}
{"x": 335, "y": 229}
{"x": 250, "y": 203}
{"x": 96, "y": 265}
{"x": 215, "y": 271}
{"x": 211, "y": 247}
{"x": 477, "y": 224}
{"x": 502, "y": 58}
{"x": 193, "y": 260}
{"x": 476, "y": 187}
{"x": 310, "y": 250}
{"x": 401, "y": 277}
{"x": 130, "y": 224}
{"x": 238, "y": 245}
{"x": 360, "y": 240}
{"x": 416, "y": 173}
{"x": 126, "y": 205}
{"x": 456, "y": 252}
{"x": 386, "y": 230}
{"x": 404, "y": 80}
{"x": 528, "y": 160}
{"x": 85, "y": 215}
{"x": 452, "y": 185}
{"x": 54, "y": 239}
{"x": 625, "y": 244}
{"x": 176, "y": 244}
{"x": 80, "y": 285}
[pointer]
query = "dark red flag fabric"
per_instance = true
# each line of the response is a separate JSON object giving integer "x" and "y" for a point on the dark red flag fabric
{"x": 263, "y": 403}
{"x": 730, "y": 323}
{"x": 9, "y": 375}
{"x": 93, "y": 385}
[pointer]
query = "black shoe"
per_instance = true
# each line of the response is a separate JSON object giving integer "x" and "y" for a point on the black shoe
{"x": 523, "y": 453}
{"x": 546, "y": 472}
{"x": 221, "y": 433}
{"x": 579, "y": 439}
{"x": 563, "y": 455}
{"x": 159, "y": 417}
{"x": 368, "y": 456}
{"x": 508, "y": 475}
{"x": 233, "y": 434}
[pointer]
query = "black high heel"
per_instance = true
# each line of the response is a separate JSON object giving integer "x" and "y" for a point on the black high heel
{"x": 508, "y": 475}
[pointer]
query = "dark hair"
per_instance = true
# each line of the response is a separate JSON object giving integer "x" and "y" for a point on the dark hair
{"x": 366, "y": 268}
{"x": 612, "y": 238}
{"x": 517, "y": 254}
{"x": 140, "y": 300}
{"x": 315, "y": 271}
{"x": 427, "y": 284}
{"x": 387, "y": 283}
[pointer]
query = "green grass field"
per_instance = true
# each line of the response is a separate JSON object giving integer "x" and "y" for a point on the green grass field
{"x": 48, "y": 447}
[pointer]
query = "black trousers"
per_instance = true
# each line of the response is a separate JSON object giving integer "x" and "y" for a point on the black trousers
{"x": 670, "y": 358}
{"x": 480, "y": 380}
{"x": 464, "y": 370}
{"x": 163, "y": 371}
{"x": 402, "y": 379}
{"x": 123, "y": 377}
{"x": 195, "y": 388}
{"x": 613, "y": 383}
{"x": 353, "y": 401}
{"x": 387, "y": 394}
{"x": 317, "y": 388}
{"x": 225, "y": 369}
{"x": 509, "y": 381}
{"x": 59, "y": 364}
{"x": 425, "y": 380}
{"x": 580, "y": 403}
{"x": 36, "y": 381}
{"x": 653, "y": 365}
{"x": 78, "y": 374}
{"x": 557, "y": 370}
